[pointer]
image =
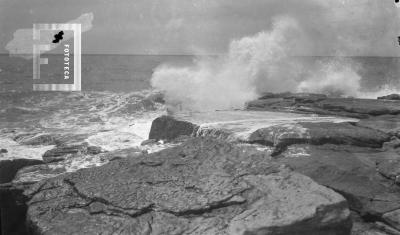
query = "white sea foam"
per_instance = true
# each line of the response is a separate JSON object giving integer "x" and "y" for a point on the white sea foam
{"x": 125, "y": 133}
{"x": 17, "y": 151}
{"x": 238, "y": 125}
{"x": 263, "y": 62}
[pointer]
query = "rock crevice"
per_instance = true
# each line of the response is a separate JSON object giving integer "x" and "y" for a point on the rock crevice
{"x": 204, "y": 186}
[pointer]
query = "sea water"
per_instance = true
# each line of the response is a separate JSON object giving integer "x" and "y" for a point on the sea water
{"x": 111, "y": 111}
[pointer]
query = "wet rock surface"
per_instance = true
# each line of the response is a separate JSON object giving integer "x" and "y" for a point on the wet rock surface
{"x": 311, "y": 103}
{"x": 62, "y": 152}
{"x": 282, "y": 136}
{"x": 214, "y": 186}
{"x": 357, "y": 159}
{"x": 12, "y": 203}
{"x": 387, "y": 123}
{"x": 18, "y": 175}
{"x": 169, "y": 128}
{"x": 12, "y": 211}
{"x": 390, "y": 97}
{"x": 9, "y": 168}
{"x": 356, "y": 173}
{"x": 33, "y": 174}
{"x": 204, "y": 186}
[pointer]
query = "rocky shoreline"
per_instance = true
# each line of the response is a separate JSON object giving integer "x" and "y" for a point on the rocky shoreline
{"x": 300, "y": 177}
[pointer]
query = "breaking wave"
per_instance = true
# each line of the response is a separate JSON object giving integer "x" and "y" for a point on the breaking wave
{"x": 255, "y": 64}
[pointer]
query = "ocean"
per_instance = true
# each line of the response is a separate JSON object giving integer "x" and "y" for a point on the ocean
{"x": 115, "y": 108}
{"x": 115, "y": 73}
{"x": 127, "y": 73}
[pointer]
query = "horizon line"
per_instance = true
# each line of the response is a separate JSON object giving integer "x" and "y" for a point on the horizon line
{"x": 115, "y": 54}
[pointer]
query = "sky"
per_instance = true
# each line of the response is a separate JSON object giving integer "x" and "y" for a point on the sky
{"x": 334, "y": 27}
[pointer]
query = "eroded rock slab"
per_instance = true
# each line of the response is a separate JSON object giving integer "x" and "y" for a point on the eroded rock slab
{"x": 33, "y": 174}
{"x": 228, "y": 125}
{"x": 318, "y": 133}
{"x": 393, "y": 218}
{"x": 9, "y": 168}
{"x": 352, "y": 172}
{"x": 310, "y": 103}
{"x": 62, "y": 152}
{"x": 386, "y": 123}
{"x": 204, "y": 186}
{"x": 14, "y": 157}
{"x": 390, "y": 97}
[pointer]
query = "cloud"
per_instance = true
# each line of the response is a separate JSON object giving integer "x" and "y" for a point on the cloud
{"x": 339, "y": 27}
{"x": 22, "y": 43}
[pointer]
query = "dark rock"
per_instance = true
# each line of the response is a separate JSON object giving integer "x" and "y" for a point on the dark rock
{"x": 394, "y": 143}
{"x": 360, "y": 227}
{"x": 318, "y": 133}
{"x": 390, "y": 97}
{"x": 9, "y": 167}
{"x": 386, "y": 228}
{"x": 12, "y": 211}
{"x": 271, "y": 104}
{"x": 12, "y": 201}
{"x": 269, "y": 95}
{"x": 361, "y": 106}
{"x": 296, "y": 96}
{"x": 349, "y": 107}
{"x": 3, "y": 151}
{"x": 386, "y": 123}
{"x": 204, "y": 186}
{"x": 33, "y": 174}
{"x": 393, "y": 218}
{"x": 309, "y": 98}
{"x": 169, "y": 128}
{"x": 62, "y": 152}
{"x": 389, "y": 167}
{"x": 351, "y": 171}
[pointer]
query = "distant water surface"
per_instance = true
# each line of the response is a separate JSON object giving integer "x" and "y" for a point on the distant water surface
{"x": 114, "y": 111}
{"x": 116, "y": 73}
{"x": 126, "y": 73}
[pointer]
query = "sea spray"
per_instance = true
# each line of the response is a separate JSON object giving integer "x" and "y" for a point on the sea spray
{"x": 336, "y": 76}
{"x": 260, "y": 63}
{"x": 229, "y": 81}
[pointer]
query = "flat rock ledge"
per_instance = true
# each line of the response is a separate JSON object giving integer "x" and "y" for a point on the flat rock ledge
{"x": 390, "y": 97}
{"x": 320, "y": 133}
{"x": 279, "y": 136}
{"x": 204, "y": 186}
{"x": 320, "y": 104}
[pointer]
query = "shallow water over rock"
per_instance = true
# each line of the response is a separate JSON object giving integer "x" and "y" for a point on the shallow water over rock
{"x": 240, "y": 124}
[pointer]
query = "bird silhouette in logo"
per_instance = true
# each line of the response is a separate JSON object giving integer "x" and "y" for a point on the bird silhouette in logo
{"x": 58, "y": 37}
